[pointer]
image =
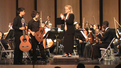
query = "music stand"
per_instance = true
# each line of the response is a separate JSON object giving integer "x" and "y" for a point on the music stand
{"x": 10, "y": 38}
{"x": 79, "y": 35}
{"x": 55, "y": 35}
{"x": 10, "y": 35}
{"x": 60, "y": 22}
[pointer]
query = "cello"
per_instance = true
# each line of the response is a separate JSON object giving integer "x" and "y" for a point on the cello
{"x": 47, "y": 43}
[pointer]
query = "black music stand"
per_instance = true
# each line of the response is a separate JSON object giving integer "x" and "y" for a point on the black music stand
{"x": 79, "y": 35}
{"x": 10, "y": 38}
{"x": 10, "y": 35}
{"x": 60, "y": 22}
{"x": 55, "y": 35}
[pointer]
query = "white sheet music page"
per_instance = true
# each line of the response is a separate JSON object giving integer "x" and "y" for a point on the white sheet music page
{"x": 83, "y": 35}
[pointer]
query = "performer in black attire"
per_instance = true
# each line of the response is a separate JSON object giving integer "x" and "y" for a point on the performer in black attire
{"x": 17, "y": 26}
{"x": 69, "y": 30}
{"x": 3, "y": 41}
{"x": 80, "y": 39}
{"x": 33, "y": 27}
{"x": 105, "y": 38}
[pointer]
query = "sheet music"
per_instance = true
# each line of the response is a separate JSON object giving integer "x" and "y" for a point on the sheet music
{"x": 83, "y": 35}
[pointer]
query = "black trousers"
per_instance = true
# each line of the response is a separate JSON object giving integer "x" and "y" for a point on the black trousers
{"x": 34, "y": 46}
{"x": 18, "y": 54}
{"x": 96, "y": 53}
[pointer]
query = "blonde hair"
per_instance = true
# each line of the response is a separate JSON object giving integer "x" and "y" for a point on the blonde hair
{"x": 70, "y": 8}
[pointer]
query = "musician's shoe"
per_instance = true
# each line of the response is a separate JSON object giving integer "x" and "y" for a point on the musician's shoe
{"x": 69, "y": 55}
{"x": 65, "y": 55}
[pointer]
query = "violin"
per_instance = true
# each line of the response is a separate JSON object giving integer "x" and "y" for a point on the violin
{"x": 91, "y": 37}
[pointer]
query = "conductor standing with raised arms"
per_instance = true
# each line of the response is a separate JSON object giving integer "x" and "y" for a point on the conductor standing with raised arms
{"x": 68, "y": 18}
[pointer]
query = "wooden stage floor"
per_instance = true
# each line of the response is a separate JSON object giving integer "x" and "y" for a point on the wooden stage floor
{"x": 63, "y": 62}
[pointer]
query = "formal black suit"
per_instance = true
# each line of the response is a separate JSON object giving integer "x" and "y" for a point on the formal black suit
{"x": 106, "y": 39}
{"x": 18, "y": 54}
{"x": 69, "y": 34}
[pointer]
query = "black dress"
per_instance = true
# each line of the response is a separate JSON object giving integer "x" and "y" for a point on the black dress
{"x": 69, "y": 34}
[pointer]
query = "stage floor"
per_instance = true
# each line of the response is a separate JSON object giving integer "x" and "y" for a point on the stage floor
{"x": 64, "y": 62}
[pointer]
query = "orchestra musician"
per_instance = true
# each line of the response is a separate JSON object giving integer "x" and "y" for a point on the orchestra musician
{"x": 46, "y": 45}
{"x": 48, "y": 20}
{"x": 68, "y": 18}
{"x": 79, "y": 38}
{"x": 105, "y": 38}
{"x": 91, "y": 33}
{"x": 17, "y": 26}
{"x": 33, "y": 27}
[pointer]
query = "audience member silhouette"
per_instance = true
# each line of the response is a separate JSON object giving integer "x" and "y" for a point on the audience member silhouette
{"x": 96, "y": 67}
{"x": 57, "y": 67}
{"x": 80, "y": 65}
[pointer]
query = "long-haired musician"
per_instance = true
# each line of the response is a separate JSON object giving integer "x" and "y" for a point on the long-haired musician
{"x": 33, "y": 27}
{"x": 68, "y": 17}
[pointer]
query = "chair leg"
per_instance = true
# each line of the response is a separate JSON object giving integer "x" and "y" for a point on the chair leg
{"x": 74, "y": 52}
{"x": 28, "y": 57}
{"x": 10, "y": 58}
{"x": 1, "y": 56}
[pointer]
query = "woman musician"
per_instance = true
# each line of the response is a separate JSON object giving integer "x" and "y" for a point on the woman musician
{"x": 68, "y": 17}
{"x": 87, "y": 50}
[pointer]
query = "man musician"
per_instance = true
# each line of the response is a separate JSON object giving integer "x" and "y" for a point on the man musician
{"x": 105, "y": 38}
{"x": 33, "y": 27}
{"x": 17, "y": 26}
